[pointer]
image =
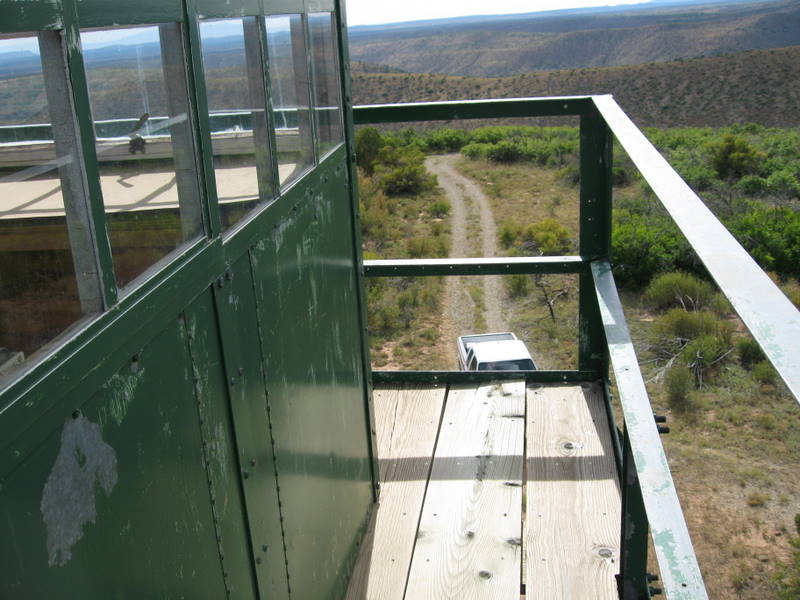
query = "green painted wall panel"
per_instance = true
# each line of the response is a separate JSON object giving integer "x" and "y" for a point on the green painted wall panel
{"x": 306, "y": 291}
{"x": 115, "y": 503}
{"x": 236, "y": 307}
{"x": 219, "y": 447}
{"x": 96, "y": 13}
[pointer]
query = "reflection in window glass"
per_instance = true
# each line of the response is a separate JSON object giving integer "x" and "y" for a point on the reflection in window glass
{"x": 39, "y": 291}
{"x": 138, "y": 93}
{"x": 327, "y": 96}
{"x": 290, "y": 88}
{"x": 237, "y": 115}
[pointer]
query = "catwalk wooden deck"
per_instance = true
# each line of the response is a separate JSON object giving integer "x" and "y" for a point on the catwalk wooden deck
{"x": 492, "y": 491}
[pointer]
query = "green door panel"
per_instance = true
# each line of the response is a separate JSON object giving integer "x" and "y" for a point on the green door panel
{"x": 306, "y": 293}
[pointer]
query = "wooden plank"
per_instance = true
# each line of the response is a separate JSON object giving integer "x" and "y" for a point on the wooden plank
{"x": 407, "y": 421}
{"x": 573, "y": 498}
{"x": 469, "y": 540}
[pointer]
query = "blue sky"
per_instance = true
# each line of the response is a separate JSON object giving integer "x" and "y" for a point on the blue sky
{"x": 368, "y": 12}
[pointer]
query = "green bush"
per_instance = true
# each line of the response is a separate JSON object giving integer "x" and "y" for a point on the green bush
{"x": 764, "y": 372}
{"x": 407, "y": 179}
{"x": 549, "y": 236}
{"x": 678, "y": 382}
{"x": 446, "y": 139}
{"x": 439, "y": 209}
{"x": 509, "y": 232}
{"x": 518, "y": 285}
{"x": 505, "y": 152}
{"x": 771, "y": 235}
{"x": 646, "y": 245}
{"x": 704, "y": 353}
{"x": 733, "y": 157}
{"x": 684, "y": 326}
{"x": 476, "y": 151}
{"x": 748, "y": 351}
{"x": 368, "y": 144}
{"x": 680, "y": 289}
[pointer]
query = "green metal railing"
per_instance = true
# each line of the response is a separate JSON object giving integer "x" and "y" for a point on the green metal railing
{"x": 649, "y": 499}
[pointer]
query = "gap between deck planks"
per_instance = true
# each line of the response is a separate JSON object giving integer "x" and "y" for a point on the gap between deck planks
{"x": 407, "y": 422}
{"x": 470, "y": 528}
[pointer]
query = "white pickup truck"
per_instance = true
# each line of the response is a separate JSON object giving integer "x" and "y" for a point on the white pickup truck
{"x": 493, "y": 352}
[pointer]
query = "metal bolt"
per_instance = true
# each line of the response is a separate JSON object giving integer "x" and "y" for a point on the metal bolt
{"x": 605, "y": 553}
{"x": 245, "y": 474}
{"x": 264, "y": 548}
{"x": 252, "y": 462}
{"x": 484, "y": 575}
{"x": 258, "y": 560}
{"x": 76, "y": 414}
{"x": 241, "y": 370}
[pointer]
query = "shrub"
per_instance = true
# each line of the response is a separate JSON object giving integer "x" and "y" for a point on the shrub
{"x": 764, "y": 373}
{"x": 684, "y": 326}
{"x": 748, "y": 351}
{"x": 518, "y": 285}
{"x": 733, "y": 157}
{"x": 419, "y": 247}
{"x": 368, "y": 144}
{"x": 570, "y": 174}
{"x": 771, "y": 235}
{"x": 505, "y": 152}
{"x": 678, "y": 382}
{"x": 439, "y": 209}
{"x": 549, "y": 236}
{"x": 509, "y": 232}
{"x": 752, "y": 185}
{"x": 679, "y": 289}
{"x": 407, "y": 179}
{"x": 446, "y": 140}
{"x": 644, "y": 246}
{"x": 703, "y": 353}
{"x": 476, "y": 151}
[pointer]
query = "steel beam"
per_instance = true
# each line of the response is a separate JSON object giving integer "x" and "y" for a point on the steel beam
{"x": 473, "y": 109}
{"x": 475, "y": 266}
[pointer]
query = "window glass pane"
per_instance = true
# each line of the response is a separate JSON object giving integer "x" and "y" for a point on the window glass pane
{"x": 236, "y": 94}
{"x": 290, "y": 88}
{"x": 327, "y": 95}
{"x": 39, "y": 256}
{"x": 138, "y": 93}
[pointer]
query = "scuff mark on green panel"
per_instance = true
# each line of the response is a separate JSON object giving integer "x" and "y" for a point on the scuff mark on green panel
{"x": 84, "y": 461}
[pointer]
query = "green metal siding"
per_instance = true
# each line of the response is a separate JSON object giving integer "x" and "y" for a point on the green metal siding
{"x": 206, "y": 436}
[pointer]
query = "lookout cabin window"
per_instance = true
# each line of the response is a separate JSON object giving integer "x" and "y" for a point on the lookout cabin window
{"x": 234, "y": 74}
{"x": 48, "y": 272}
{"x": 145, "y": 150}
{"x": 327, "y": 97}
{"x": 290, "y": 90}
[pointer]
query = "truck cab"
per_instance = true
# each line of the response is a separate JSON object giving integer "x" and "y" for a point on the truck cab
{"x": 493, "y": 352}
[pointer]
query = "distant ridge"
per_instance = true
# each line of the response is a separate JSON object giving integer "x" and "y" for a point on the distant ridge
{"x": 760, "y": 86}
{"x": 502, "y": 45}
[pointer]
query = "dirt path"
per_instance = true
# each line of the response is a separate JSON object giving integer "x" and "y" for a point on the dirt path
{"x": 466, "y": 200}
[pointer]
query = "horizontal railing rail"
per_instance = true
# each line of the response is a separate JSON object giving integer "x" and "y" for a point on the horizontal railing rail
{"x": 544, "y": 265}
{"x": 769, "y": 315}
{"x": 680, "y": 572}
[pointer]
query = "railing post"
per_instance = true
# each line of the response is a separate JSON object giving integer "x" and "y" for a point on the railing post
{"x": 595, "y": 235}
{"x": 633, "y": 583}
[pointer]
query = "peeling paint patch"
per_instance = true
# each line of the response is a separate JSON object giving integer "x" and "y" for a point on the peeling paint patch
{"x": 68, "y": 498}
{"x": 122, "y": 390}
